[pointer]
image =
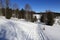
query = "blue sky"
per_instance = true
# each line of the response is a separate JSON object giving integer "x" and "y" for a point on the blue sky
{"x": 39, "y": 5}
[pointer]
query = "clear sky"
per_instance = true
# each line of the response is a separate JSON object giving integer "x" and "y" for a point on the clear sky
{"x": 39, "y": 5}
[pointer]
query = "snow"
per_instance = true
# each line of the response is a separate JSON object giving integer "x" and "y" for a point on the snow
{"x": 52, "y": 32}
{"x": 19, "y": 29}
{"x": 37, "y": 15}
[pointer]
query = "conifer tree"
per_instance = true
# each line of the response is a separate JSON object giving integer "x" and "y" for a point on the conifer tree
{"x": 50, "y": 18}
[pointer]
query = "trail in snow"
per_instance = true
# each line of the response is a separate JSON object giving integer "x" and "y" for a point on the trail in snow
{"x": 12, "y": 32}
{"x": 15, "y": 30}
{"x": 20, "y": 30}
{"x": 41, "y": 33}
{"x": 22, "y": 34}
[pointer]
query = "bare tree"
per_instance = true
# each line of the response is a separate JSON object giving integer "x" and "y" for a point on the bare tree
{"x": 6, "y": 6}
{"x": 7, "y": 10}
{"x": 0, "y": 7}
{"x": 15, "y": 8}
{"x": 7, "y": 3}
{"x": 0, "y": 4}
{"x": 27, "y": 9}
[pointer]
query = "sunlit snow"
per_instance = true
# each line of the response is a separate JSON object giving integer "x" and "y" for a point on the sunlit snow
{"x": 19, "y": 29}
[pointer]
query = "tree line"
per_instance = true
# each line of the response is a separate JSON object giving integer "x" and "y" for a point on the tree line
{"x": 8, "y": 12}
{"x": 25, "y": 13}
{"x": 48, "y": 18}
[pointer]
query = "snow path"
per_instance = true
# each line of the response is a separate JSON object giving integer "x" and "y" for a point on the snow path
{"x": 41, "y": 33}
{"x": 51, "y": 32}
{"x": 20, "y": 30}
{"x": 16, "y": 30}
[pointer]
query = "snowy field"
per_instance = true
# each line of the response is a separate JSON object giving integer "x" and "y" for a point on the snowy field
{"x": 19, "y": 29}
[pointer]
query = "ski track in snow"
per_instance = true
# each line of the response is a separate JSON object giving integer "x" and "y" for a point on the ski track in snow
{"x": 41, "y": 33}
{"x": 10, "y": 30}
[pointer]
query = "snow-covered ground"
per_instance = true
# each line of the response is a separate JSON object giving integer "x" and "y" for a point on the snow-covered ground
{"x": 19, "y": 29}
{"x": 52, "y": 32}
{"x": 15, "y": 29}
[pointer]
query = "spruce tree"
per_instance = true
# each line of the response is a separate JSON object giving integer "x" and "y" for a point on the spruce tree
{"x": 50, "y": 18}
